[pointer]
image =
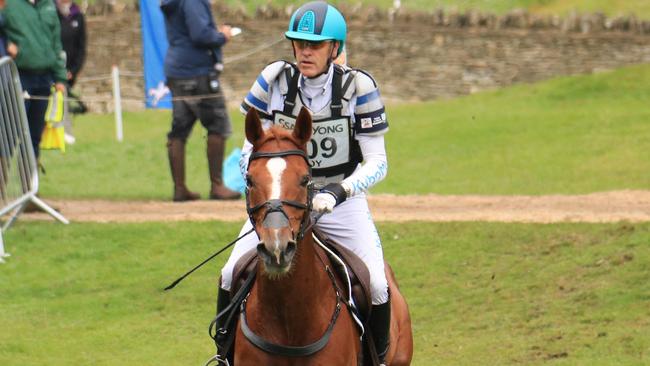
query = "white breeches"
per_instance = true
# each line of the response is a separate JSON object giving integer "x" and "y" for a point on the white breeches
{"x": 351, "y": 225}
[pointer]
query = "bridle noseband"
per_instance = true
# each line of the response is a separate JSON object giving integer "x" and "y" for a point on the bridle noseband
{"x": 277, "y": 205}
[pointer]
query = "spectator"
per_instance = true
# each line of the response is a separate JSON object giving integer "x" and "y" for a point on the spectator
{"x": 192, "y": 66}
{"x": 73, "y": 38}
{"x": 34, "y": 42}
{"x": 3, "y": 38}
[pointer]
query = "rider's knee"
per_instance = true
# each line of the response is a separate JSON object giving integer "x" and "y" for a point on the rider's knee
{"x": 226, "y": 277}
{"x": 379, "y": 289}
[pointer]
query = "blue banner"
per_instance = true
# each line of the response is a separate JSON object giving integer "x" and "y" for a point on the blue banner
{"x": 154, "y": 47}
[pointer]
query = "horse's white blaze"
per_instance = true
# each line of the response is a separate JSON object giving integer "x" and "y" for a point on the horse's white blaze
{"x": 276, "y": 167}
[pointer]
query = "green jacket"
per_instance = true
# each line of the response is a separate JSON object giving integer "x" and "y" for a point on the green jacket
{"x": 36, "y": 30}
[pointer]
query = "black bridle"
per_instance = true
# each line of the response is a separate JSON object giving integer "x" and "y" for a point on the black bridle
{"x": 277, "y": 205}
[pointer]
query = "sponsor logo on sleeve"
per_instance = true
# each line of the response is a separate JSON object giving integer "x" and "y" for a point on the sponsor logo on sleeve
{"x": 366, "y": 122}
{"x": 379, "y": 120}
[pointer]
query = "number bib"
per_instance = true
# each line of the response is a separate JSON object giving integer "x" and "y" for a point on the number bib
{"x": 330, "y": 141}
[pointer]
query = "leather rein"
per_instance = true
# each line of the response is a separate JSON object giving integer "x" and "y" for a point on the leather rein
{"x": 276, "y": 205}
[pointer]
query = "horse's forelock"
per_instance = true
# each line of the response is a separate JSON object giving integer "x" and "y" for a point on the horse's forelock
{"x": 278, "y": 134}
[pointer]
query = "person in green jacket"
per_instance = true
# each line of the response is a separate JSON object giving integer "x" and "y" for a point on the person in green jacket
{"x": 3, "y": 40}
{"x": 34, "y": 42}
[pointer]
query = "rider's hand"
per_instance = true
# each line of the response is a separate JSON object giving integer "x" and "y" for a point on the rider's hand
{"x": 329, "y": 196}
{"x": 323, "y": 202}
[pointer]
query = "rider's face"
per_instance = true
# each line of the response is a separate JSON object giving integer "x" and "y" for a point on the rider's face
{"x": 313, "y": 57}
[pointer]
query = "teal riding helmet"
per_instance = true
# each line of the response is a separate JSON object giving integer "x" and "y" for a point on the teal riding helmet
{"x": 318, "y": 21}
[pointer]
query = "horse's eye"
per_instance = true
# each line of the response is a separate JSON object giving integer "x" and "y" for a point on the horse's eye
{"x": 305, "y": 180}
{"x": 249, "y": 181}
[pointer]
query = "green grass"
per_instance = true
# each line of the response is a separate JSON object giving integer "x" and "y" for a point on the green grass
{"x": 98, "y": 166}
{"x": 479, "y": 293}
{"x": 611, "y": 7}
{"x": 569, "y": 135}
{"x": 640, "y": 8}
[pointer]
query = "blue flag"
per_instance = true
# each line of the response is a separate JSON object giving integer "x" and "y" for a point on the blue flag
{"x": 154, "y": 46}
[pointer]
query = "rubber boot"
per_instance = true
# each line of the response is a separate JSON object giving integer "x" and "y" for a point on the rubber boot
{"x": 380, "y": 328}
{"x": 215, "y": 151}
{"x": 176, "y": 152}
{"x": 223, "y": 300}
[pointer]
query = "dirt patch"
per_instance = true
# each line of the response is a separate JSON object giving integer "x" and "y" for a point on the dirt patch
{"x": 633, "y": 206}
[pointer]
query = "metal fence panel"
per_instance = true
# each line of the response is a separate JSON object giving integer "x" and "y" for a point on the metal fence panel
{"x": 18, "y": 166}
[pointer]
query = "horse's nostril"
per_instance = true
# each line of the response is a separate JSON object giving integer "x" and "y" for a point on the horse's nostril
{"x": 279, "y": 259}
{"x": 291, "y": 249}
{"x": 262, "y": 251}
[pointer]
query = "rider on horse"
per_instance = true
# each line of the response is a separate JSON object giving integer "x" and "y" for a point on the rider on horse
{"x": 346, "y": 151}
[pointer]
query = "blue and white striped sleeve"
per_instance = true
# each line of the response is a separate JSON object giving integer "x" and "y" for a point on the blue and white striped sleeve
{"x": 369, "y": 112}
{"x": 258, "y": 96}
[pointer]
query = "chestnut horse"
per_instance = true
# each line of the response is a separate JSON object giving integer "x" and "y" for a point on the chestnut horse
{"x": 294, "y": 314}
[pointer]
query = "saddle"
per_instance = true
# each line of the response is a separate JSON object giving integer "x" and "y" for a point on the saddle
{"x": 352, "y": 277}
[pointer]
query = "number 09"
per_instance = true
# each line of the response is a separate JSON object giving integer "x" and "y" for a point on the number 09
{"x": 327, "y": 148}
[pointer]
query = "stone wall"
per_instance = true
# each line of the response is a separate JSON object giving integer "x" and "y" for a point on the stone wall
{"x": 413, "y": 56}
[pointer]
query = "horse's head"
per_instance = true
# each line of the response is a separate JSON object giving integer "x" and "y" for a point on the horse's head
{"x": 278, "y": 197}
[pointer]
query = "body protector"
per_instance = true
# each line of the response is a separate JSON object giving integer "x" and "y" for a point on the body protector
{"x": 332, "y": 149}
{"x": 354, "y": 109}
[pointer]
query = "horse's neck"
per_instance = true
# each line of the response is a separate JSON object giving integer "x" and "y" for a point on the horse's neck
{"x": 307, "y": 287}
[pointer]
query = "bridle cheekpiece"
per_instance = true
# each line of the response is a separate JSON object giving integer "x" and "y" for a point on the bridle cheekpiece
{"x": 277, "y": 205}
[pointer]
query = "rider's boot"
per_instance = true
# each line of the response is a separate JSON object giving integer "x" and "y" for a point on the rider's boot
{"x": 380, "y": 327}
{"x": 223, "y": 300}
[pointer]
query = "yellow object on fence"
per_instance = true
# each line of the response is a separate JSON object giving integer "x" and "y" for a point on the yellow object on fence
{"x": 53, "y": 137}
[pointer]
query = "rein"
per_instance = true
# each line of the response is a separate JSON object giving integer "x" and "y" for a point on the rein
{"x": 276, "y": 205}
{"x": 292, "y": 351}
{"x": 178, "y": 280}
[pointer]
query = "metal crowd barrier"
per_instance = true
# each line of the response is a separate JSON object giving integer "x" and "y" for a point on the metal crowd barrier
{"x": 18, "y": 166}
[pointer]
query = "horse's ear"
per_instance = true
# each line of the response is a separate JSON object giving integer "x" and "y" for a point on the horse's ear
{"x": 302, "y": 129}
{"x": 254, "y": 129}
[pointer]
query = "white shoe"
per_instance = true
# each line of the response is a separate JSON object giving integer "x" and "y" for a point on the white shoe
{"x": 69, "y": 139}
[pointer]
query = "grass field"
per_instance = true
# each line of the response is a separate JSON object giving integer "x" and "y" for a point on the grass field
{"x": 569, "y": 135}
{"x": 611, "y": 7}
{"x": 480, "y": 294}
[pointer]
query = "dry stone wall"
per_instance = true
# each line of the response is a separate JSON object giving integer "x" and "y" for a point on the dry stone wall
{"x": 413, "y": 56}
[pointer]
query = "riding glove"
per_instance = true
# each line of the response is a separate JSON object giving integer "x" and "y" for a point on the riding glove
{"x": 329, "y": 197}
{"x": 323, "y": 202}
